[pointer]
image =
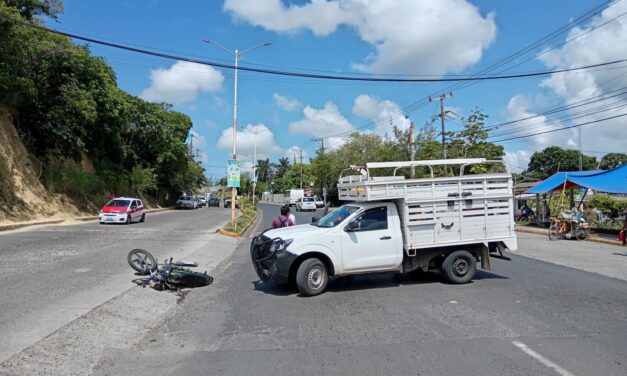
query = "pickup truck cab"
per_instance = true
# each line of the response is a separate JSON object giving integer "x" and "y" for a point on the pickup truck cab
{"x": 446, "y": 231}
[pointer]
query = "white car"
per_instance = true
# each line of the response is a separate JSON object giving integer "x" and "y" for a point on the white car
{"x": 306, "y": 203}
{"x": 319, "y": 202}
{"x": 122, "y": 210}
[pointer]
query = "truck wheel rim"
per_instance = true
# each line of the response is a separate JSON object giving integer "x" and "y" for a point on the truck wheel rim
{"x": 460, "y": 267}
{"x": 315, "y": 278}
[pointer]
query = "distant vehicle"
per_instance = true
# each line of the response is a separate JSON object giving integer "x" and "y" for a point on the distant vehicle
{"x": 186, "y": 202}
{"x": 227, "y": 203}
{"x": 213, "y": 201}
{"x": 306, "y": 203}
{"x": 319, "y": 202}
{"x": 202, "y": 200}
{"x": 122, "y": 210}
{"x": 292, "y": 195}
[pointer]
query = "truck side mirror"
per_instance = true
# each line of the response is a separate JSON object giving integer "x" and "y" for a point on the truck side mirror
{"x": 352, "y": 226}
{"x": 314, "y": 219}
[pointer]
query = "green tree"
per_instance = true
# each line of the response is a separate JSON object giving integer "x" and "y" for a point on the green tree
{"x": 613, "y": 160}
{"x": 31, "y": 8}
{"x": 553, "y": 159}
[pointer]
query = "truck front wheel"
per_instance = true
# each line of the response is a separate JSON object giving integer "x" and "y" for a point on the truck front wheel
{"x": 312, "y": 277}
{"x": 459, "y": 267}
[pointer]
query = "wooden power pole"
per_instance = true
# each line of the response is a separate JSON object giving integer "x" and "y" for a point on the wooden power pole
{"x": 442, "y": 116}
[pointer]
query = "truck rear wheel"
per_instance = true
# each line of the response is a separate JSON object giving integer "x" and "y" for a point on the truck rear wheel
{"x": 459, "y": 267}
{"x": 312, "y": 277}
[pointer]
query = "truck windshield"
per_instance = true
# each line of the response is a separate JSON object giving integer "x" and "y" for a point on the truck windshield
{"x": 336, "y": 217}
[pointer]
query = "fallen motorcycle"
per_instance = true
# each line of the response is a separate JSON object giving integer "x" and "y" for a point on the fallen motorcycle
{"x": 171, "y": 275}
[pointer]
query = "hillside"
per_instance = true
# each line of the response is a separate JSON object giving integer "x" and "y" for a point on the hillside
{"x": 22, "y": 196}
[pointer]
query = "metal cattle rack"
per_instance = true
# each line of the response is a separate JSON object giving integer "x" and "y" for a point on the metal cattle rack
{"x": 461, "y": 209}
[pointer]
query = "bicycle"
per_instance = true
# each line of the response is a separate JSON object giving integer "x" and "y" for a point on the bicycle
{"x": 172, "y": 275}
{"x": 568, "y": 229}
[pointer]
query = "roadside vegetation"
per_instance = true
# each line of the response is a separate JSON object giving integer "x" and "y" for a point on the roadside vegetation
{"x": 247, "y": 215}
{"x": 91, "y": 138}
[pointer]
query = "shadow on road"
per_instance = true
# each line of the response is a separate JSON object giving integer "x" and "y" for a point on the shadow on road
{"x": 368, "y": 281}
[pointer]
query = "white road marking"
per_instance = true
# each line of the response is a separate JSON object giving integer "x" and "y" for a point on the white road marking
{"x": 453, "y": 301}
{"x": 82, "y": 270}
{"x": 541, "y": 359}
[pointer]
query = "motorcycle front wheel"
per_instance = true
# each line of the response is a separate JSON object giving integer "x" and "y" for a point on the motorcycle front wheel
{"x": 142, "y": 261}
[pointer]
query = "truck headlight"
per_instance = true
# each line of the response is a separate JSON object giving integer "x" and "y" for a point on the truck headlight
{"x": 280, "y": 244}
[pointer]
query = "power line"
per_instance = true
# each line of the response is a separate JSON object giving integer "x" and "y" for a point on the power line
{"x": 320, "y": 76}
{"x": 561, "y": 129}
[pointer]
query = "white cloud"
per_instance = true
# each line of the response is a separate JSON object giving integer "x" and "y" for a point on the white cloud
{"x": 266, "y": 145}
{"x": 324, "y": 122}
{"x": 387, "y": 114}
{"x": 607, "y": 43}
{"x": 293, "y": 153}
{"x": 517, "y": 160}
{"x": 286, "y": 103}
{"x": 519, "y": 107}
{"x": 182, "y": 82}
{"x": 451, "y": 33}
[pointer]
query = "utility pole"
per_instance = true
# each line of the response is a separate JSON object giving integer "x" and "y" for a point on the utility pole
{"x": 301, "y": 168}
{"x": 191, "y": 145}
{"x": 442, "y": 116}
{"x": 580, "y": 151}
{"x": 324, "y": 179}
{"x": 236, "y": 54}
{"x": 411, "y": 146}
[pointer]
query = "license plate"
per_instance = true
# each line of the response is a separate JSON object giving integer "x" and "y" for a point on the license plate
{"x": 109, "y": 219}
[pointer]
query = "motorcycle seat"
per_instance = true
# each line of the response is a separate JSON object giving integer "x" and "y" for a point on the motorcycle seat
{"x": 188, "y": 263}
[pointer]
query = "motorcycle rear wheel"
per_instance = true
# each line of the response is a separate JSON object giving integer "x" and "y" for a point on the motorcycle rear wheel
{"x": 142, "y": 261}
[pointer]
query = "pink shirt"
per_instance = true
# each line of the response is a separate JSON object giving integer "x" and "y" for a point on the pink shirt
{"x": 282, "y": 221}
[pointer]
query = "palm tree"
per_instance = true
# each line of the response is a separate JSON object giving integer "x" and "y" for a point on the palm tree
{"x": 284, "y": 165}
{"x": 262, "y": 169}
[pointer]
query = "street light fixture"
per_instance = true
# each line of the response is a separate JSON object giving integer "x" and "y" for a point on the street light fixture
{"x": 237, "y": 54}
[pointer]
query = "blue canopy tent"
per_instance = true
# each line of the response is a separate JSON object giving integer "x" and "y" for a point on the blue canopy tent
{"x": 612, "y": 181}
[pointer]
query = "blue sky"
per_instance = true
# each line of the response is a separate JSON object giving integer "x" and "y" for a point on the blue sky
{"x": 346, "y": 36}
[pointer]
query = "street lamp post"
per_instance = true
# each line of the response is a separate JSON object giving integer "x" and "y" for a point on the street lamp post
{"x": 237, "y": 54}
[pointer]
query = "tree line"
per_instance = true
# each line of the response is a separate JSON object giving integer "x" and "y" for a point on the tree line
{"x": 67, "y": 108}
{"x": 471, "y": 141}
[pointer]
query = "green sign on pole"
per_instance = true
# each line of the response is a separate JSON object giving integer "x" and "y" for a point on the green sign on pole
{"x": 233, "y": 173}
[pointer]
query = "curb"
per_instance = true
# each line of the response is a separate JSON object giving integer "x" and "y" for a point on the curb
{"x": 15, "y": 226}
{"x": 591, "y": 238}
{"x": 232, "y": 234}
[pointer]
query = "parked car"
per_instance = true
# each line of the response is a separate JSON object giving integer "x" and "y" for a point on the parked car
{"x": 319, "y": 202}
{"x": 186, "y": 202}
{"x": 122, "y": 210}
{"x": 306, "y": 203}
{"x": 202, "y": 200}
{"x": 213, "y": 201}
{"x": 227, "y": 203}
{"x": 450, "y": 224}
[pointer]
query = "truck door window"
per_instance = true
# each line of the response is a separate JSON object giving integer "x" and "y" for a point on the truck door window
{"x": 373, "y": 219}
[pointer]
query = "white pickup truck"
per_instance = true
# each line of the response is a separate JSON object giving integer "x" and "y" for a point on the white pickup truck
{"x": 395, "y": 223}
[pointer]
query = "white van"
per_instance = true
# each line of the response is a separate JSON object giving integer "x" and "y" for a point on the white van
{"x": 292, "y": 195}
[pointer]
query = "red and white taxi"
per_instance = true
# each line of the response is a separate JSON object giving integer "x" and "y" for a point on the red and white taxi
{"x": 122, "y": 210}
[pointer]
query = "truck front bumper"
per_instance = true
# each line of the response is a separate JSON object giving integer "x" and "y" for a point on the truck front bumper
{"x": 271, "y": 265}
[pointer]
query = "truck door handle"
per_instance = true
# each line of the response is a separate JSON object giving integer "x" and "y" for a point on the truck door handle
{"x": 385, "y": 238}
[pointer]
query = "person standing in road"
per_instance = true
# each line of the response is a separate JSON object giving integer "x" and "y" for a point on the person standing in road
{"x": 283, "y": 220}
{"x": 291, "y": 216}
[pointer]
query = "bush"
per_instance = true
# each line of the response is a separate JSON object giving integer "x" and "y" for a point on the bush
{"x": 614, "y": 206}
{"x": 247, "y": 215}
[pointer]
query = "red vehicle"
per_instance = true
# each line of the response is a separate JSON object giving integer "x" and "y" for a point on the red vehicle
{"x": 122, "y": 210}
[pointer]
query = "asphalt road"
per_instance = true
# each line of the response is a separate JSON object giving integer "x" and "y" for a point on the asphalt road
{"x": 52, "y": 275}
{"x": 526, "y": 317}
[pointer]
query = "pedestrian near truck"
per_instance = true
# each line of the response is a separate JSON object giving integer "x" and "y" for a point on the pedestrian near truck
{"x": 283, "y": 220}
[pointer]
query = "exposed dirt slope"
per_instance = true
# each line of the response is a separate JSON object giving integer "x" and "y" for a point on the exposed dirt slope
{"x": 22, "y": 196}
